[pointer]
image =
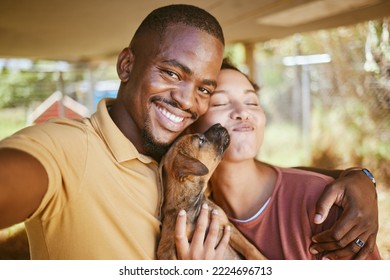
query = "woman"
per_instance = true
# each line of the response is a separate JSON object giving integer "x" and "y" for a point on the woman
{"x": 273, "y": 206}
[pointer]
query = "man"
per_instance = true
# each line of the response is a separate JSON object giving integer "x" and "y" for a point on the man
{"x": 90, "y": 189}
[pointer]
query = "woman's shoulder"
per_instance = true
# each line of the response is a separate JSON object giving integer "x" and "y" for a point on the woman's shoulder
{"x": 300, "y": 184}
{"x": 303, "y": 176}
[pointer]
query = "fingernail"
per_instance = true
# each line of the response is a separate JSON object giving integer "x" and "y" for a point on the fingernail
{"x": 313, "y": 251}
{"x": 228, "y": 228}
{"x": 325, "y": 259}
{"x": 215, "y": 211}
{"x": 182, "y": 212}
{"x": 205, "y": 206}
{"x": 317, "y": 218}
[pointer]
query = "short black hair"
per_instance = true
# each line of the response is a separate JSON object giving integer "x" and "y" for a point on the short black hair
{"x": 159, "y": 19}
{"x": 227, "y": 64}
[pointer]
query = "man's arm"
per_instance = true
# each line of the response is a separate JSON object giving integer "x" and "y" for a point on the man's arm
{"x": 23, "y": 183}
{"x": 356, "y": 194}
{"x": 334, "y": 173}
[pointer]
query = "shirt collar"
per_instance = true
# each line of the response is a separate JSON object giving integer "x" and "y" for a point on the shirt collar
{"x": 121, "y": 147}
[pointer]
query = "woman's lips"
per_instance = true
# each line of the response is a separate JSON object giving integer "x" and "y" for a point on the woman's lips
{"x": 243, "y": 127}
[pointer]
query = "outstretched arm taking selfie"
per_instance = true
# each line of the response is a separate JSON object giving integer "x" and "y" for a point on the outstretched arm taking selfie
{"x": 23, "y": 183}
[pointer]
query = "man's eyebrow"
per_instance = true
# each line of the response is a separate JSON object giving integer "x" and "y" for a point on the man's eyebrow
{"x": 177, "y": 64}
{"x": 210, "y": 82}
{"x": 188, "y": 71}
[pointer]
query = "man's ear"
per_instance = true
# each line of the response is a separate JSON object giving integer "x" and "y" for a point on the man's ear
{"x": 185, "y": 165}
{"x": 124, "y": 64}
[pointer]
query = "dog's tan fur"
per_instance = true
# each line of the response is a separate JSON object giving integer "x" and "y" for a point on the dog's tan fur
{"x": 186, "y": 169}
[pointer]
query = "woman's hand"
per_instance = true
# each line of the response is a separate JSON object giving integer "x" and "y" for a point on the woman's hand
{"x": 204, "y": 244}
{"x": 356, "y": 194}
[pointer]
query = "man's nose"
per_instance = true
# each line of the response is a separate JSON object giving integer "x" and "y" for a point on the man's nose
{"x": 184, "y": 96}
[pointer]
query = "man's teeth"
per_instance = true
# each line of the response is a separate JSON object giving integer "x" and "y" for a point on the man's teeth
{"x": 170, "y": 116}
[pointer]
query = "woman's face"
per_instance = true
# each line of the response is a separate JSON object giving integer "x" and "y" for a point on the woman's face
{"x": 235, "y": 105}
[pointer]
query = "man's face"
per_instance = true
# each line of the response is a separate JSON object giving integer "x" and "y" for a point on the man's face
{"x": 170, "y": 82}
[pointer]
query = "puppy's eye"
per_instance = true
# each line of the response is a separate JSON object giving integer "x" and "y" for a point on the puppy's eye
{"x": 202, "y": 140}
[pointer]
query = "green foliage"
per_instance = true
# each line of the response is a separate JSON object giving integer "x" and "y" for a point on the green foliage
{"x": 11, "y": 120}
{"x": 19, "y": 88}
{"x": 350, "y": 106}
{"x": 24, "y": 87}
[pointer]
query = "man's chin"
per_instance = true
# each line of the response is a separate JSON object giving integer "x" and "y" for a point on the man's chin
{"x": 155, "y": 148}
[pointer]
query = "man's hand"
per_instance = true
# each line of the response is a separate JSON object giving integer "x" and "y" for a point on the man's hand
{"x": 202, "y": 247}
{"x": 356, "y": 194}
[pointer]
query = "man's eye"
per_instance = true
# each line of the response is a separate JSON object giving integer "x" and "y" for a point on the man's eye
{"x": 204, "y": 90}
{"x": 172, "y": 74}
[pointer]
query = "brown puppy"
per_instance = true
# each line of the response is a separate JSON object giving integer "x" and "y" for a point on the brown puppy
{"x": 186, "y": 168}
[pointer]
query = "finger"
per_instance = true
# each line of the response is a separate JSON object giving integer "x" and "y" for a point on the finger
{"x": 201, "y": 227}
{"x": 212, "y": 235}
{"x": 351, "y": 236}
{"x": 329, "y": 196}
{"x": 342, "y": 254}
{"x": 338, "y": 251}
{"x": 181, "y": 240}
{"x": 344, "y": 231}
{"x": 324, "y": 237}
{"x": 345, "y": 253}
{"x": 317, "y": 248}
{"x": 223, "y": 243}
{"x": 327, "y": 241}
{"x": 350, "y": 252}
{"x": 367, "y": 249}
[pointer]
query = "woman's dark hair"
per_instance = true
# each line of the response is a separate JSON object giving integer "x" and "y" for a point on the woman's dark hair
{"x": 227, "y": 64}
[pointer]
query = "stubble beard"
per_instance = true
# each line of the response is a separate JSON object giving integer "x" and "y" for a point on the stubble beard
{"x": 152, "y": 147}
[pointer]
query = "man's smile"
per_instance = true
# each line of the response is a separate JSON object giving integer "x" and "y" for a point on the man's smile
{"x": 172, "y": 117}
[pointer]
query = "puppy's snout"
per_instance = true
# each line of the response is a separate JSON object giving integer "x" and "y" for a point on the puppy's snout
{"x": 219, "y": 135}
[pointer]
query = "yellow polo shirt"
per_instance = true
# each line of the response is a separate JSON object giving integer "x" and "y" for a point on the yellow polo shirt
{"x": 103, "y": 198}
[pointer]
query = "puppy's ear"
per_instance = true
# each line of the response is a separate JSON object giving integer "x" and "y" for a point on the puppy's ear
{"x": 185, "y": 165}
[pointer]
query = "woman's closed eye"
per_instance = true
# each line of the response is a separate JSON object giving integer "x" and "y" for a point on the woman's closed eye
{"x": 253, "y": 100}
{"x": 218, "y": 104}
{"x": 218, "y": 100}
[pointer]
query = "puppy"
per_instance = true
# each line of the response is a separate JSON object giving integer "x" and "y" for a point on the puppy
{"x": 185, "y": 169}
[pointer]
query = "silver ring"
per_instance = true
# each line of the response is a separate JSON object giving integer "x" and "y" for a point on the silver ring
{"x": 360, "y": 243}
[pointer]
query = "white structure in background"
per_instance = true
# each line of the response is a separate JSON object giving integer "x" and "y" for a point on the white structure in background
{"x": 305, "y": 61}
{"x": 57, "y": 105}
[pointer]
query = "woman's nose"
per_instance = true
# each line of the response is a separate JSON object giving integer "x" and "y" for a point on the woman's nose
{"x": 239, "y": 112}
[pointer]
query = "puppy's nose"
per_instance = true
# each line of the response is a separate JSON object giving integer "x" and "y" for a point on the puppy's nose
{"x": 214, "y": 131}
{"x": 219, "y": 135}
